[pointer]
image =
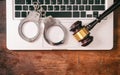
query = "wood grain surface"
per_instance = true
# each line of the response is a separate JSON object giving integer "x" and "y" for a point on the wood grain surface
{"x": 58, "y": 62}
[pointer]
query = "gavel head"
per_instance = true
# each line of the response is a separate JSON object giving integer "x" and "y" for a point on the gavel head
{"x": 81, "y": 33}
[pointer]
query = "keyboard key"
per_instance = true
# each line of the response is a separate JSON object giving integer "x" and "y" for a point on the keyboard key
{"x": 53, "y": 1}
{"x": 59, "y": 14}
{"x": 78, "y": 1}
{"x": 83, "y": 14}
{"x": 75, "y": 14}
{"x": 84, "y": 1}
{"x": 102, "y": 1}
{"x": 97, "y": 1}
{"x": 66, "y": 2}
{"x": 89, "y": 15}
{"x": 91, "y": 1}
{"x": 44, "y": 7}
{"x": 25, "y": 7}
{"x": 18, "y": 7}
{"x": 31, "y": 8}
{"x": 24, "y": 14}
{"x": 98, "y": 7}
{"x": 72, "y": 1}
{"x": 88, "y": 7}
{"x": 69, "y": 7}
{"x": 81, "y": 7}
{"x": 50, "y": 7}
{"x": 41, "y": 1}
{"x": 19, "y": 1}
{"x": 28, "y": 1}
{"x": 56, "y": 7}
{"x": 47, "y": 1}
{"x": 17, "y": 14}
{"x": 62, "y": 7}
{"x": 75, "y": 7}
{"x": 34, "y": 0}
{"x": 95, "y": 14}
{"x": 59, "y": 1}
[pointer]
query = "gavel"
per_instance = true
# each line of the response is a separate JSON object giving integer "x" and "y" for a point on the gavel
{"x": 82, "y": 32}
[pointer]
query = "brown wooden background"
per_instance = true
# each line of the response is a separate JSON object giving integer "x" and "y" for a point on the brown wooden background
{"x": 58, "y": 62}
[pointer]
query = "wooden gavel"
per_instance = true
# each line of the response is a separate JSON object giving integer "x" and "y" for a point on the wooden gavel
{"x": 82, "y": 32}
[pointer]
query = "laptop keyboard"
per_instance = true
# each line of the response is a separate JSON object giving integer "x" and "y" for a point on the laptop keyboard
{"x": 62, "y": 8}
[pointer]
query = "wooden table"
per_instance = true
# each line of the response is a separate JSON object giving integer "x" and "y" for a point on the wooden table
{"x": 58, "y": 62}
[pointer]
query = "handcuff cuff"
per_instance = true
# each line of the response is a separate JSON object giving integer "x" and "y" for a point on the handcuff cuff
{"x": 35, "y": 16}
{"x": 50, "y": 22}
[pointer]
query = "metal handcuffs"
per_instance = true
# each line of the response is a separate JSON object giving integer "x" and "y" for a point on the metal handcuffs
{"x": 50, "y": 22}
{"x": 34, "y": 17}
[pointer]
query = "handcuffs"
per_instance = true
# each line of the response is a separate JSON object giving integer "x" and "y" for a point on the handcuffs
{"x": 34, "y": 16}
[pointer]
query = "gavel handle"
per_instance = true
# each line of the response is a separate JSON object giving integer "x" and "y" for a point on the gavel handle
{"x": 103, "y": 15}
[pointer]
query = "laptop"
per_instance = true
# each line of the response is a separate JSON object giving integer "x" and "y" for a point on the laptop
{"x": 67, "y": 12}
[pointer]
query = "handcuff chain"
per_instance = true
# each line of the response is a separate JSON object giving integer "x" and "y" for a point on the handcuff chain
{"x": 36, "y": 6}
{"x": 39, "y": 9}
